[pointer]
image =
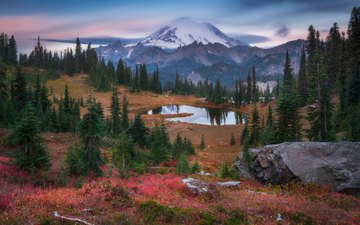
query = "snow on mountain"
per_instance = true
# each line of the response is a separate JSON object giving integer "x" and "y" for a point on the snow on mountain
{"x": 185, "y": 31}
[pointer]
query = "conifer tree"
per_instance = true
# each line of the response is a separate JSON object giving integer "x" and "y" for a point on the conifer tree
{"x": 137, "y": 131}
{"x": 248, "y": 89}
{"x": 183, "y": 165}
{"x": 254, "y": 91}
{"x": 288, "y": 125}
{"x": 78, "y": 57}
{"x": 32, "y": 153}
{"x": 302, "y": 80}
{"x": 353, "y": 93}
{"x": 120, "y": 72}
{"x": 90, "y": 130}
{"x": 19, "y": 90}
{"x": 143, "y": 79}
{"x": 125, "y": 114}
{"x": 115, "y": 119}
{"x": 122, "y": 154}
{"x": 254, "y": 136}
{"x": 12, "y": 51}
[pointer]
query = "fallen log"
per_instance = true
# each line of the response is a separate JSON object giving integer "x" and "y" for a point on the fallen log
{"x": 73, "y": 219}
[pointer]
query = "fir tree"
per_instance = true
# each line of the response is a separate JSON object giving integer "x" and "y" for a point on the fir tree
{"x": 19, "y": 90}
{"x": 302, "y": 80}
{"x": 115, "y": 119}
{"x": 254, "y": 136}
{"x": 12, "y": 52}
{"x": 90, "y": 130}
{"x": 120, "y": 72}
{"x": 32, "y": 153}
{"x": 288, "y": 125}
{"x": 122, "y": 154}
{"x": 78, "y": 57}
{"x": 125, "y": 114}
{"x": 138, "y": 131}
{"x": 183, "y": 165}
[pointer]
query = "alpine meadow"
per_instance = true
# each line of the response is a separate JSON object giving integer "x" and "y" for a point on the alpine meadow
{"x": 180, "y": 112}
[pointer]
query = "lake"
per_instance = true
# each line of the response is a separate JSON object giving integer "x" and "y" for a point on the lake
{"x": 200, "y": 115}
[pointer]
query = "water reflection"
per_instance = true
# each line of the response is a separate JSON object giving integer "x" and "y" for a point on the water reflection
{"x": 201, "y": 115}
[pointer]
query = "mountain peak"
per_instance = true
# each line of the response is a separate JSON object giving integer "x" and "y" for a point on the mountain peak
{"x": 185, "y": 31}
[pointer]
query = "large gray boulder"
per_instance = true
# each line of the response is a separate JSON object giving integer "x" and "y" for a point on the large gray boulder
{"x": 336, "y": 165}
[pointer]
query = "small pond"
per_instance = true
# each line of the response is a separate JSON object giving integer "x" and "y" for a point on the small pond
{"x": 200, "y": 115}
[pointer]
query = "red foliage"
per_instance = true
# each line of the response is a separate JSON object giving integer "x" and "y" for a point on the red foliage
{"x": 5, "y": 201}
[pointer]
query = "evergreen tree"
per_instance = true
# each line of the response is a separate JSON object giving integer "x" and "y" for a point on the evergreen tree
{"x": 268, "y": 135}
{"x": 32, "y": 153}
{"x": 353, "y": 93}
{"x": 137, "y": 131}
{"x": 288, "y": 125}
{"x": 115, "y": 119}
{"x": 254, "y": 91}
{"x": 122, "y": 154}
{"x": 183, "y": 165}
{"x": 254, "y": 136}
{"x": 143, "y": 80}
{"x": 120, "y": 72}
{"x": 302, "y": 80}
{"x": 78, "y": 57}
{"x": 90, "y": 130}
{"x": 319, "y": 110}
{"x": 125, "y": 114}
{"x": 177, "y": 148}
{"x": 12, "y": 52}
{"x": 19, "y": 90}
{"x": 248, "y": 89}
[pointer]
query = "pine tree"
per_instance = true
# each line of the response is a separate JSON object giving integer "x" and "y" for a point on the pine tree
{"x": 288, "y": 125}
{"x": 90, "y": 130}
{"x": 32, "y": 153}
{"x": 254, "y": 91}
{"x": 302, "y": 80}
{"x": 12, "y": 52}
{"x": 143, "y": 80}
{"x": 254, "y": 136}
{"x": 120, "y": 72}
{"x": 319, "y": 110}
{"x": 122, "y": 154}
{"x": 78, "y": 57}
{"x": 268, "y": 135}
{"x": 353, "y": 93}
{"x": 19, "y": 90}
{"x": 183, "y": 165}
{"x": 115, "y": 119}
{"x": 248, "y": 89}
{"x": 125, "y": 114}
{"x": 138, "y": 131}
{"x": 177, "y": 148}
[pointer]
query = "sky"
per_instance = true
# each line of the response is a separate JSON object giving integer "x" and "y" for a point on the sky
{"x": 262, "y": 23}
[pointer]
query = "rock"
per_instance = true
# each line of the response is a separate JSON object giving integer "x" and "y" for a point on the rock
{"x": 336, "y": 165}
{"x": 196, "y": 186}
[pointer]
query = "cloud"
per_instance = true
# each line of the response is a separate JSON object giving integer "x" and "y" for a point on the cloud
{"x": 252, "y": 39}
{"x": 282, "y": 31}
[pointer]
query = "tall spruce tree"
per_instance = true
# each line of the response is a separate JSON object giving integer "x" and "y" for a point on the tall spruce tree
{"x": 115, "y": 118}
{"x": 12, "y": 51}
{"x": 125, "y": 114}
{"x": 353, "y": 93}
{"x": 302, "y": 79}
{"x": 78, "y": 57}
{"x": 32, "y": 153}
{"x": 288, "y": 124}
{"x": 137, "y": 131}
{"x": 254, "y": 136}
{"x": 90, "y": 131}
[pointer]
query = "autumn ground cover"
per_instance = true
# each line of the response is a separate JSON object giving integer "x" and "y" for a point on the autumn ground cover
{"x": 160, "y": 197}
{"x": 110, "y": 200}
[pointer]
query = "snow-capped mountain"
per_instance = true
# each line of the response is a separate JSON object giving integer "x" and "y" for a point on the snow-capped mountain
{"x": 184, "y": 31}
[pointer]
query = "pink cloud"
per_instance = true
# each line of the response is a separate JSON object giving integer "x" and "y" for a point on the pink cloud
{"x": 52, "y": 27}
